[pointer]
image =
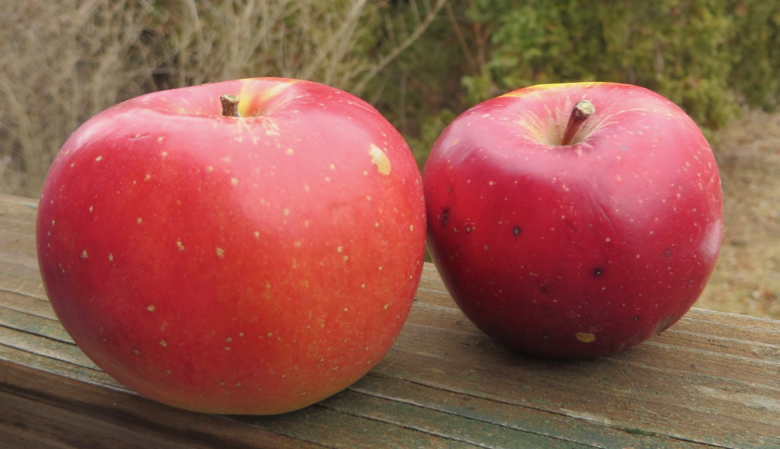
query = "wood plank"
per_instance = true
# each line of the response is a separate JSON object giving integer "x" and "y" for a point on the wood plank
{"x": 71, "y": 414}
{"x": 711, "y": 381}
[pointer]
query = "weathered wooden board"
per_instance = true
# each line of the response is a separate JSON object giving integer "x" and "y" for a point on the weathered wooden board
{"x": 711, "y": 381}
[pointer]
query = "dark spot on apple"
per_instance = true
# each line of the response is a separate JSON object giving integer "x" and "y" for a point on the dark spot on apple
{"x": 597, "y": 272}
{"x": 546, "y": 288}
{"x": 516, "y": 231}
{"x": 445, "y": 216}
{"x": 668, "y": 252}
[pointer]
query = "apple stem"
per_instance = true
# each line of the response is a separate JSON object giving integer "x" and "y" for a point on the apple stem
{"x": 229, "y": 105}
{"x": 579, "y": 113}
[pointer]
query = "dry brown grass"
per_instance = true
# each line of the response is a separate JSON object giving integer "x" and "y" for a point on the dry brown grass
{"x": 62, "y": 62}
{"x": 747, "y": 276}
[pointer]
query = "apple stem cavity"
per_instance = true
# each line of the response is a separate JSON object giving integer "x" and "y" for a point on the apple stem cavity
{"x": 579, "y": 113}
{"x": 229, "y": 105}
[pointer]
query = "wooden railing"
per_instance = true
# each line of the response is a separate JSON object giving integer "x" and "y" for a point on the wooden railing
{"x": 711, "y": 381}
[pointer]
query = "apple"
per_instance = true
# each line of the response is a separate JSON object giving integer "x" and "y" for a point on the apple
{"x": 243, "y": 247}
{"x": 573, "y": 220}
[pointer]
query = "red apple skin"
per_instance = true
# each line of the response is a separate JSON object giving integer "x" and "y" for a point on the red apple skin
{"x": 573, "y": 251}
{"x": 250, "y": 265}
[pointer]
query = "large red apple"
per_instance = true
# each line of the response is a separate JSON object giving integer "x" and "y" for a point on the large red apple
{"x": 234, "y": 260}
{"x": 569, "y": 228}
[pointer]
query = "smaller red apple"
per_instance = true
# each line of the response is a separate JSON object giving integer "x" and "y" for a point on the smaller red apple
{"x": 573, "y": 220}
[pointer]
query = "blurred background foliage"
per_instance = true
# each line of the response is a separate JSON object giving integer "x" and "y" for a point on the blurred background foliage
{"x": 714, "y": 58}
{"x": 420, "y": 62}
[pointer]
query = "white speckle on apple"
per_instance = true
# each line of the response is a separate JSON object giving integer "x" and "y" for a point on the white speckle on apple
{"x": 151, "y": 308}
{"x": 257, "y": 234}
{"x": 234, "y": 181}
{"x": 286, "y": 212}
{"x": 110, "y": 257}
{"x": 411, "y": 228}
{"x": 340, "y": 249}
{"x": 346, "y": 258}
{"x": 91, "y": 208}
{"x": 288, "y": 151}
{"x": 147, "y": 177}
{"x": 180, "y": 245}
{"x": 332, "y": 167}
{"x": 99, "y": 158}
{"x": 163, "y": 343}
{"x": 220, "y": 253}
{"x": 380, "y": 159}
{"x": 164, "y": 154}
{"x": 607, "y": 240}
{"x": 297, "y": 244}
{"x": 139, "y": 220}
{"x": 84, "y": 254}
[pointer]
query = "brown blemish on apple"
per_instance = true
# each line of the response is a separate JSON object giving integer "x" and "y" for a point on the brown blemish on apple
{"x": 84, "y": 254}
{"x": 180, "y": 245}
{"x": 220, "y": 253}
{"x": 380, "y": 159}
{"x": 585, "y": 337}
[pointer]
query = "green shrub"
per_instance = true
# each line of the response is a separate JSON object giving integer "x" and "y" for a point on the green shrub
{"x": 711, "y": 57}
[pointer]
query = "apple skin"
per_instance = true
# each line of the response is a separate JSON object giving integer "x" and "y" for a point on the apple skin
{"x": 573, "y": 251}
{"x": 249, "y": 265}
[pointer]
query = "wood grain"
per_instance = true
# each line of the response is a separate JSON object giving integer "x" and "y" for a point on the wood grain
{"x": 711, "y": 381}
